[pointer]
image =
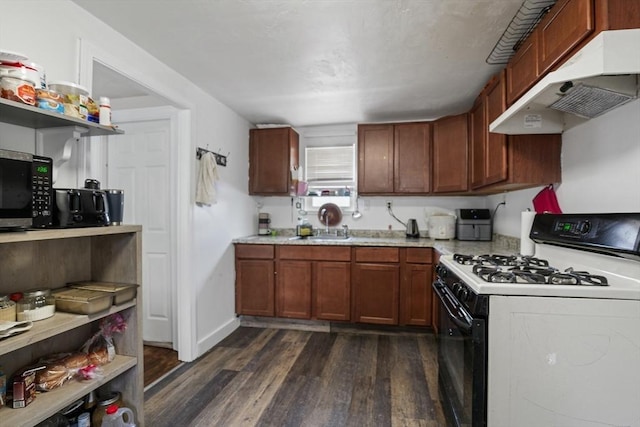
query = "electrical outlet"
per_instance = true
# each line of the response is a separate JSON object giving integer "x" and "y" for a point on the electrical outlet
{"x": 388, "y": 204}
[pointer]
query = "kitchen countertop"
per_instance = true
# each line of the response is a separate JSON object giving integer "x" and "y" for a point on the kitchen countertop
{"x": 499, "y": 245}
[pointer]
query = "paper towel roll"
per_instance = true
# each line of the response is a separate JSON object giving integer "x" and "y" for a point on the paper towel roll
{"x": 527, "y": 246}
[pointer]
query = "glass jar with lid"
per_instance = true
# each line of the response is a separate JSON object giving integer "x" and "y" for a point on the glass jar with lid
{"x": 7, "y": 309}
{"x": 36, "y": 304}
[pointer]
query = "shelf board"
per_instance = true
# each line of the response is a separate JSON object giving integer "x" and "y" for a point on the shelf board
{"x": 60, "y": 322}
{"x": 49, "y": 403}
{"x": 65, "y": 233}
{"x": 37, "y": 118}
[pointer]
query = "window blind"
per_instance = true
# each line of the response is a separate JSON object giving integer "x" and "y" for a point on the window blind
{"x": 330, "y": 166}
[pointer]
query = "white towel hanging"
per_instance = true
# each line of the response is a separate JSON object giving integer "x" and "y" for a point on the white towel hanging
{"x": 207, "y": 177}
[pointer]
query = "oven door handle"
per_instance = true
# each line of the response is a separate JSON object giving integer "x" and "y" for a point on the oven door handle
{"x": 461, "y": 319}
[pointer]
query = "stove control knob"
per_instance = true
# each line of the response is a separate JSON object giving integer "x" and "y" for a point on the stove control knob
{"x": 585, "y": 227}
{"x": 456, "y": 288}
{"x": 441, "y": 271}
{"x": 464, "y": 295}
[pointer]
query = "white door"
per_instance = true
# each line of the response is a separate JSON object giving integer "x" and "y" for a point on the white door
{"x": 139, "y": 163}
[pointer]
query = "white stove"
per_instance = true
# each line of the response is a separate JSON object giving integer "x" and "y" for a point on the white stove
{"x": 552, "y": 339}
{"x": 621, "y": 275}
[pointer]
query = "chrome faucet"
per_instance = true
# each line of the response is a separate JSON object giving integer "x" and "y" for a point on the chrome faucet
{"x": 323, "y": 215}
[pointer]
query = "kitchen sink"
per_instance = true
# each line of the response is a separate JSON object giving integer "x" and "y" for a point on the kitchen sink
{"x": 330, "y": 238}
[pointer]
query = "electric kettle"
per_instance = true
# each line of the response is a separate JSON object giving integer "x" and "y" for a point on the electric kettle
{"x": 412, "y": 228}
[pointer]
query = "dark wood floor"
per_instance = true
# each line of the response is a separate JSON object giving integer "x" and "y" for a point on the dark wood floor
{"x": 158, "y": 361}
{"x": 273, "y": 377}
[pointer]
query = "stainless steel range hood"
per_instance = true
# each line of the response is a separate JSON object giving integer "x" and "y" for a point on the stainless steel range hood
{"x": 600, "y": 77}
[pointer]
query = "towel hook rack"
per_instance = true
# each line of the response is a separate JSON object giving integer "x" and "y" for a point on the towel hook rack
{"x": 221, "y": 159}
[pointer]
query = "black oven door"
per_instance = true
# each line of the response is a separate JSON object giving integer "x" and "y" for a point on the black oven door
{"x": 461, "y": 361}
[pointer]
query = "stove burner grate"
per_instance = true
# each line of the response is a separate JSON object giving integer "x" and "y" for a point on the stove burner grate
{"x": 500, "y": 260}
{"x": 526, "y": 270}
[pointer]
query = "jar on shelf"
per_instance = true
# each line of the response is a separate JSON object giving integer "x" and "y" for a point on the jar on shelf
{"x": 7, "y": 309}
{"x": 36, "y": 304}
{"x": 104, "y": 401}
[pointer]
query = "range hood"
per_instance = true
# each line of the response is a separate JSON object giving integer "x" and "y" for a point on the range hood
{"x": 601, "y": 76}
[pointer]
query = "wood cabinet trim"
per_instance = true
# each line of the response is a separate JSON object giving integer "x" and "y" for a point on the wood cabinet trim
{"x": 248, "y": 251}
{"x": 377, "y": 254}
{"x": 315, "y": 253}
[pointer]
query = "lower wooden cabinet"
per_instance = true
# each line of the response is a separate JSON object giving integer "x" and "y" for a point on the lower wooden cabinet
{"x": 376, "y": 293}
{"x": 293, "y": 289}
{"x": 415, "y": 287}
{"x": 255, "y": 284}
{"x": 313, "y": 282}
{"x": 376, "y": 285}
{"x": 332, "y": 289}
{"x": 380, "y": 285}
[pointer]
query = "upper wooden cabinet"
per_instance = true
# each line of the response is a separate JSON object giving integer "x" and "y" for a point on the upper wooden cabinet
{"x": 508, "y": 162}
{"x": 272, "y": 154}
{"x": 495, "y": 152}
{"x": 566, "y": 28}
{"x": 522, "y": 70}
{"x": 450, "y": 146}
{"x": 567, "y": 24}
{"x": 394, "y": 158}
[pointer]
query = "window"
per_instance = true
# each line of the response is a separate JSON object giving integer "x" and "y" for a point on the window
{"x": 332, "y": 170}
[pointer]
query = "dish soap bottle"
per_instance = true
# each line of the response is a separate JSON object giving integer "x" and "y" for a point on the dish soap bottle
{"x": 304, "y": 229}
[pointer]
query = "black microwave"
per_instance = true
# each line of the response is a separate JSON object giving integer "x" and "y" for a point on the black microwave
{"x": 25, "y": 190}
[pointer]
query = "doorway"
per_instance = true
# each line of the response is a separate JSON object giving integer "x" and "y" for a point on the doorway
{"x": 135, "y": 99}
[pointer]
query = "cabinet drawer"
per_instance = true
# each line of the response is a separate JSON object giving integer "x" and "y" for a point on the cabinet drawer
{"x": 255, "y": 251}
{"x": 315, "y": 253}
{"x": 419, "y": 255}
{"x": 377, "y": 254}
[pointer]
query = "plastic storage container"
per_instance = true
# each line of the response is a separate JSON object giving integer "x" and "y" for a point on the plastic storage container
{"x": 118, "y": 417}
{"x": 7, "y": 309}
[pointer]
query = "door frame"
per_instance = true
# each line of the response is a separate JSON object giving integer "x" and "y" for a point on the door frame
{"x": 182, "y": 124}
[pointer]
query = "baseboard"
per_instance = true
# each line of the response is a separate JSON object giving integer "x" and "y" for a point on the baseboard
{"x": 280, "y": 323}
{"x": 216, "y": 336}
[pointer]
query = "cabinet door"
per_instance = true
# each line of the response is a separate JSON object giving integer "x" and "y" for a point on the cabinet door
{"x": 255, "y": 287}
{"x": 376, "y": 289}
{"x": 412, "y": 158}
{"x": 375, "y": 159}
{"x": 293, "y": 291}
{"x": 272, "y": 154}
{"x": 567, "y": 24}
{"x": 416, "y": 294}
{"x": 450, "y": 145}
{"x": 478, "y": 134}
{"x": 332, "y": 281}
{"x": 522, "y": 69}
{"x": 495, "y": 156}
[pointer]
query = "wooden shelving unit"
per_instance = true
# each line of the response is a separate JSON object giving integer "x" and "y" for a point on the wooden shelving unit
{"x": 37, "y": 118}
{"x": 51, "y": 259}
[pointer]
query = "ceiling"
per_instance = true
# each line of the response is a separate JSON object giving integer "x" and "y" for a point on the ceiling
{"x": 315, "y": 62}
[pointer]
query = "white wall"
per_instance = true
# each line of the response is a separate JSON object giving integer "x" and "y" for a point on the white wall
{"x": 600, "y": 170}
{"x": 210, "y": 229}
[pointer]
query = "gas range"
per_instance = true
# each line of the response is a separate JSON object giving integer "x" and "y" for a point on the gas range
{"x": 554, "y": 271}
{"x": 544, "y": 340}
